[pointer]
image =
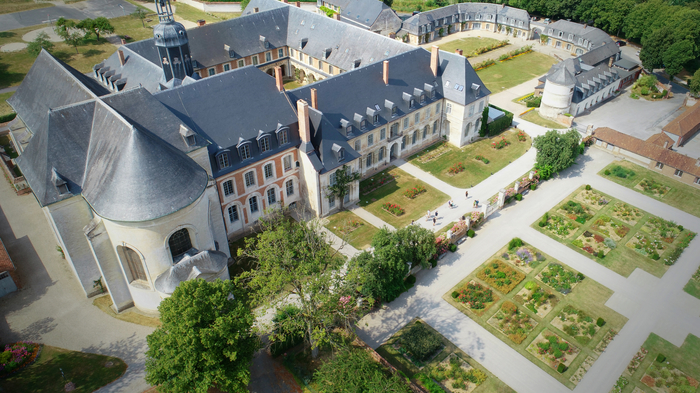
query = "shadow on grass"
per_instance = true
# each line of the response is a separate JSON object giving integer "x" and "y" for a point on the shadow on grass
{"x": 7, "y": 34}
{"x": 92, "y": 52}
{"x": 8, "y": 78}
{"x": 63, "y": 55}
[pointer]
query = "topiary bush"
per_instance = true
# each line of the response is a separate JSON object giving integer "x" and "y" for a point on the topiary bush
{"x": 470, "y": 233}
{"x": 588, "y": 187}
{"x": 518, "y": 197}
{"x": 533, "y": 186}
{"x": 455, "y": 294}
{"x": 601, "y": 254}
{"x": 600, "y": 322}
{"x": 453, "y": 247}
{"x": 660, "y": 358}
{"x": 607, "y": 172}
{"x": 515, "y": 243}
{"x": 562, "y": 368}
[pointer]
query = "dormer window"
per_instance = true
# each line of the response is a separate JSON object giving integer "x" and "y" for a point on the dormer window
{"x": 222, "y": 160}
{"x": 59, "y": 183}
{"x": 282, "y": 136}
{"x": 422, "y": 99}
{"x": 339, "y": 152}
{"x": 244, "y": 151}
{"x": 394, "y": 111}
{"x": 375, "y": 119}
{"x": 188, "y": 135}
{"x": 412, "y": 103}
{"x": 348, "y": 130}
{"x": 363, "y": 124}
{"x": 264, "y": 144}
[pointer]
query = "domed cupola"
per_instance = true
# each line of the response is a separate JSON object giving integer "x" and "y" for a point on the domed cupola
{"x": 171, "y": 41}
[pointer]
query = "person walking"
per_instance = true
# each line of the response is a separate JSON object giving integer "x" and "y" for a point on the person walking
{"x": 436, "y": 214}
{"x": 434, "y": 219}
{"x": 427, "y": 216}
{"x": 466, "y": 194}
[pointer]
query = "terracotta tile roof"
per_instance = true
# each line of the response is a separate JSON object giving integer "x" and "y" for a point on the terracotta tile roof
{"x": 649, "y": 150}
{"x": 661, "y": 139}
{"x": 686, "y": 124}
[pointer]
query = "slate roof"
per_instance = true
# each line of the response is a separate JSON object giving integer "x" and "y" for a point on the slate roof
{"x": 625, "y": 64}
{"x": 600, "y": 54}
{"x": 593, "y": 80}
{"x": 362, "y": 12}
{"x": 51, "y": 83}
{"x": 595, "y": 36}
{"x": 686, "y": 124}
{"x": 141, "y": 68}
{"x": 501, "y": 14}
{"x": 649, "y": 150}
{"x": 561, "y": 74}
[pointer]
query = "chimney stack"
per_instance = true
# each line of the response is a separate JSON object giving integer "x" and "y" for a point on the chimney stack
{"x": 385, "y": 73}
{"x": 298, "y": 4}
{"x": 459, "y": 52}
{"x": 336, "y": 16}
{"x": 256, "y": 10}
{"x": 278, "y": 78}
{"x": 434, "y": 59}
{"x": 303, "y": 118}
{"x": 314, "y": 98}
{"x": 122, "y": 60}
{"x": 665, "y": 144}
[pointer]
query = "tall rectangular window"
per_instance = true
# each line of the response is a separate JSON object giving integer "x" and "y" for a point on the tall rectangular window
{"x": 358, "y": 145}
{"x": 133, "y": 262}
{"x": 435, "y": 127}
{"x": 244, "y": 151}
{"x": 414, "y": 137}
{"x": 253, "y": 203}
{"x": 331, "y": 201}
{"x": 271, "y": 196}
{"x": 255, "y": 59}
{"x": 330, "y": 69}
{"x": 437, "y": 108}
{"x": 223, "y": 160}
{"x": 228, "y": 187}
{"x": 471, "y": 110}
{"x": 282, "y": 137}
{"x": 481, "y": 106}
{"x": 382, "y": 134}
{"x": 678, "y": 173}
{"x": 287, "y": 162}
{"x": 290, "y": 187}
{"x": 448, "y": 108}
{"x": 268, "y": 56}
{"x": 280, "y": 52}
{"x": 211, "y": 71}
{"x": 368, "y": 160}
{"x": 241, "y": 63}
{"x": 264, "y": 144}
{"x": 425, "y": 131}
{"x": 249, "y": 178}
{"x": 267, "y": 170}
{"x": 416, "y": 118}
{"x": 233, "y": 213}
{"x": 370, "y": 139}
{"x": 405, "y": 123}
{"x": 227, "y": 67}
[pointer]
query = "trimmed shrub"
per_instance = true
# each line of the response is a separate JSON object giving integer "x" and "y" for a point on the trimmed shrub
{"x": 601, "y": 254}
{"x": 588, "y": 187}
{"x": 411, "y": 279}
{"x": 420, "y": 341}
{"x": 563, "y": 346}
{"x": 515, "y": 243}
{"x": 470, "y": 233}
{"x": 533, "y": 186}
{"x": 562, "y": 368}
{"x": 453, "y": 247}
{"x": 518, "y": 197}
{"x": 607, "y": 172}
{"x": 580, "y": 276}
{"x": 655, "y": 256}
{"x": 7, "y": 117}
{"x": 600, "y": 322}
{"x": 645, "y": 91}
{"x": 455, "y": 294}
{"x": 660, "y": 358}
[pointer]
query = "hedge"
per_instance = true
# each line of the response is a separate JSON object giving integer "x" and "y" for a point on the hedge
{"x": 7, "y": 117}
{"x": 499, "y": 125}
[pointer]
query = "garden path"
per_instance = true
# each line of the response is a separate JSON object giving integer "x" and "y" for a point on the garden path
{"x": 652, "y": 304}
{"x": 336, "y": 242}
{"x": 369, "y": 217}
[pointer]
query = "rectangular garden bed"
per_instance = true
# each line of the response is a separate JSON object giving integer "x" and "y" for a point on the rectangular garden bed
{"x": 536, "y": 298}
{"x": 553, "y": 350}
{"x": 501, "y": 276}
{"x": 512, "y": 322}
{"x": 577, "y": 324}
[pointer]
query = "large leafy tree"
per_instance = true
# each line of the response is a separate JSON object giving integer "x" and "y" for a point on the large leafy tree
{"x": 206, "y": 340}
{"x": 556, "y": 151}
{"x": 95, "y": 27}
{"x": 353, "y": 370}
{"x": 340, "y": 183}
{"x": 292, "y": 262}
{"x": 41, "y": 41}
{"x": 655, "y": 45}
{"x": 695, "y": 82}
{"x": 67, "y": 29}
{"x": 676, "y": 55}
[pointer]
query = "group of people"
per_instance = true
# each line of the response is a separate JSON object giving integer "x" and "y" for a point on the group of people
{"x": 433, "y": 216}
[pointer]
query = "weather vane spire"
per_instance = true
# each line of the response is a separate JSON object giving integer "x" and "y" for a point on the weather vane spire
{"x": 164, "y": 10}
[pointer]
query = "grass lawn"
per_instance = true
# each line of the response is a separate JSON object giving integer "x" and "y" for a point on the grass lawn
{"x": 623, "y": 259}
{"x": 292, "y": 85}
{"x": 693, "y": 286}
{"x": 87, "y": 371}
{"x": 516, "y": 71}
{"x": 474, "y": 171}
{"x": 393, "y": 193}
{"x": 9, "y": 6}
{"x": 468, "y": 45}
{"x": 586, "y": 295}
{"x": 193, "y": 14}
{"x": 393, "y": 356}
{"x": 131, "y": 315}
{"x": 534, "y": 117}
{"x": 680, "y": 195}
{"x": 5, "y": 108}
{"x": 341, "y": 225}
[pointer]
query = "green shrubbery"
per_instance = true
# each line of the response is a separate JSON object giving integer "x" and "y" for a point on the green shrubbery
{"x": 452, "y": 247}
{"x": 470, "y": 233}
{"x": 600, "y": 322}
{"x": 620, "y": 172}
{"x": 515, "y": 243}
{"x": 518, "y": 197}
{"x": 534, "y": 103}
{"x": 7, "y": 117}
{"x": 660, "y": 358}
{"x": 421, "y": 342}
{"x": 561, "y": 368}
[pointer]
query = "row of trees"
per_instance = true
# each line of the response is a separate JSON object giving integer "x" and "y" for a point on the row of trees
{"x": 74, "y": 32}
{"x": 207, "y": 337}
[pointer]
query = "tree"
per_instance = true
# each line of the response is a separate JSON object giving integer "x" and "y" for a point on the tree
{"x": 484, "y": 131}
{"x": 41, "y": 41}
{"x": 205, "y": 341}
{"x": 695, "y": 82}
{"x": 66, "y": 29}
{"x": 676, "y": 55}
{"x": 353, "y": 370}
{"x": 95, "y": 27}
{"x": 388, "y": 2}
{"x": 293, "y": 262}
{"x": 652, "y": 53}
{"x": 340, "y": 183}
{"x": 556, "y": 151}
{"x": 140, "y": 13}
{"x": 244, "y": 4}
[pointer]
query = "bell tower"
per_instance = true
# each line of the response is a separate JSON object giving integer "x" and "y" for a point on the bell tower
{"x": 172, "y": 44}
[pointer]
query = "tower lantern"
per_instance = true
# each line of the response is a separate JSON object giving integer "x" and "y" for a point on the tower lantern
{"x": 172, "y": 43}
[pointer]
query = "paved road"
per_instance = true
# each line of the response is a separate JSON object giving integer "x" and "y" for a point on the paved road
{"x": 651, "y": 304}
{"x": 81, "y": 10}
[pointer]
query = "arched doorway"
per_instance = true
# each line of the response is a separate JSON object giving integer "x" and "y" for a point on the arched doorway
{"x": 271, "y": 72}
{"x": 393, "y": 152}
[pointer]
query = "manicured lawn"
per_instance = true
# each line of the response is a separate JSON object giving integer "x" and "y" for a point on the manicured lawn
{"x": 534, "y": 117}
{"x": 5, "y": 109}
{"x": 475, "y": 171}
{"x": 193, "y": 14}
{"x": 468, "y": 45}
{"x": 130, "y": 315}
{"x": 564, "y": 289}
{"x": 87, "y": 371}
{"x": 9, "y": 6}
{"x": 680, "y": 195}
{"x": 393, "y": 193}
{"x": 693, "y": 286}
{"x": 394, "y": 356}
{"x": 516, "y": 71}
{"x": 348, "y": 226}
{"x": 292, "y": 85}
{"x": 623, "y": 224}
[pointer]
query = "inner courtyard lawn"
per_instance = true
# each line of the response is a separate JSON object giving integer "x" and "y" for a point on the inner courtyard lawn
{"x": 394, "y": 356}
{"x": 572, "y": 228}
{"x": 693, "y": 285}
{"x": 509, "y": 73}
{"x": 586, "y": 296}
{"x": 680, "y": 195}
{"x": 5, "y": 108}
{"x": 351, "y": 228}
{"x": 392, "y": 192}
{"x": 468, "y": 45}
{"x": 87, "y": 371}
{"x": 475, "y": 171}
{"x": 534, "y": 117}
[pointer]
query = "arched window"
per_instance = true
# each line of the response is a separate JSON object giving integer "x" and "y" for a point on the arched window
{"x": 134, "y": 266}
{"x": 290, "y": 187}
{"x": 179, "y": 242}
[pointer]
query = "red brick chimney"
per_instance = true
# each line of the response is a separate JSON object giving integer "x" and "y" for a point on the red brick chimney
{"x": 122, "y": 60}
{"x": 314, "y": 98}
{"x": 256, "y": 10}
{"x": 278, "y": 78}
{"x": 303, "y": 118}
{"x": 336, "y": 16}
{"x": 201, "y": 22}
{"x": 298, "y": 4}
{"x": 285, "y": 1}
{"x": 385, "y": 73}
{"x": 434, "y": 59}
{"x": 459, "y": 52}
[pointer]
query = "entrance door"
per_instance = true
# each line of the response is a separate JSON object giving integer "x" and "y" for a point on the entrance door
{"x": 7, "y": 284}
{"x": 392, "y": 152}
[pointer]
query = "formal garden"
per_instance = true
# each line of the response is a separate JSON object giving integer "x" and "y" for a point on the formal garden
{"x": 548, "y": 312}
{"x": 506, "y": 74}
{"x": 614, "y": 233}
{"x": 351, "y": 228}
{"x": 468, "y": 166}
{"x": 661, "y": 367}
{"x": 429, "y": 359}
{"x": 393, "y": 195}
{"x": 693, "y": 285}
{"x": 655, "y": 185}
{"x": 473, "y": 46}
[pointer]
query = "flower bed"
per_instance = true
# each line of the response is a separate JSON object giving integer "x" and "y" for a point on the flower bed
{"x": 592, "y": 198}
{"x": 420, "y": 342}
{"x": 457, "y": 375}
{"x": 435, "y": 153}
{"x": 576, "y": 211}
{"x": 628, "y": 214}
{"x": 525, "y": 258}
{"x": 647, "y": 245}
{"x": 393, "y": 209}
{"x": 476, "y": 296}
{"x": 668, "y": 231}
{"x": 500, "y": 143}
{"x": 665, "y": 378}
{"x": 455, "y": 169}
{"x": 673, "y": 255}
{"x": 501, "y": 276}
{"x": 513, "y": 323}
{"x": 553, "y": 350}
{"x": 582, "y": 370}
{"x": 652, "y": 187}
{"x": 375, "y": 182}
{"x": 441, "y": 244}
{"x": 476, "y": 218}
{"x": 18, "y": 356}
{"x": 621, "y": 383}
{"x": 577, "y": 324}
{"x": 562, "y": 280}
{"x": 559, "y": 226}
{"x": 606, "y": 226}
{"x": 637, "y": 360}
{"x": 414, "y": 192}
{"x": 603, "y": 344}
{"x": 350, "y": 226}
{"x": 536, "y": 299}
{"x": 484, "y": 64}
{"x": 487, "y": 48}
{"x": 593, "y": 243}
{"x": 482, "y": 159}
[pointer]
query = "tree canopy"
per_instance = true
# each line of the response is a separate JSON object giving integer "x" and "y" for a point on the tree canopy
{"x": 206, "y": 340}
{"x": 676, "y": 55}
{"x": 97, "y": 26}
{"x": 556, "y": 151}
{"x": 41, "y": 41}
{"x": 695, "y": 82}
{"x": 340, "y": 182}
